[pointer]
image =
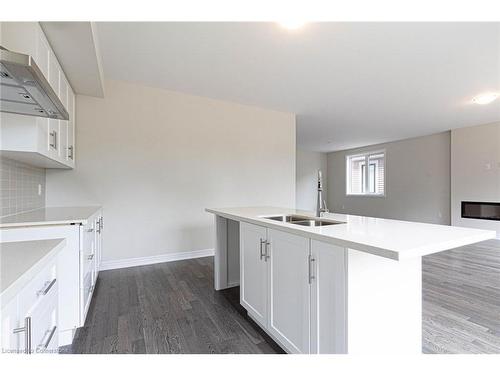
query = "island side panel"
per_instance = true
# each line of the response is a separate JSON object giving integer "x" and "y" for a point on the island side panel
{"x": 220, "y": 256}
{"x": 384, "y": 305}
{"x": 233, "y": 253}
{"x": 227, "y": 253}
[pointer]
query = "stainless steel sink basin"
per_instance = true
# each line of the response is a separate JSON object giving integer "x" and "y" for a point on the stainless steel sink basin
{"x": 303, "y": 220}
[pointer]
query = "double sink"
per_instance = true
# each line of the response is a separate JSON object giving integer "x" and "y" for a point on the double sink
{"x": 302, "y": 220}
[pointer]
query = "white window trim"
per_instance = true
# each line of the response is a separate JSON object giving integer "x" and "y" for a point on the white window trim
{"x": 348, "y": 175}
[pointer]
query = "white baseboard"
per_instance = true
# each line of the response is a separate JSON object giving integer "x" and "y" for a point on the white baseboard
{"x": 143, "y": 261}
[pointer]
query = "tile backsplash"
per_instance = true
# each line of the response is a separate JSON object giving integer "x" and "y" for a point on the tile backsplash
{"x": 19, "y": 187}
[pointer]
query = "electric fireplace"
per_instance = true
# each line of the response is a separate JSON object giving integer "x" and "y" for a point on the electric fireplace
{"x": 481, "y": 210}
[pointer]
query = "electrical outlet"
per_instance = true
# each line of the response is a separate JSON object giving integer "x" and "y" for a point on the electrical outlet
{"x": 39, "y": 189}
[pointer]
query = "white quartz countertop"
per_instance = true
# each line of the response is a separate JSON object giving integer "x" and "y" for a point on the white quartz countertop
{"x": 21, "y": 261}
{"x": 49, "y": 216}
{"x": 394, "y": 239}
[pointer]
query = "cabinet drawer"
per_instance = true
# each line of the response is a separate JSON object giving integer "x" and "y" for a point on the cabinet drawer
{"x": 88, "y": 286}
{"x": 44, "y": 332}
{"x": 41, "y": 287}
{"x": 88, "y": 238}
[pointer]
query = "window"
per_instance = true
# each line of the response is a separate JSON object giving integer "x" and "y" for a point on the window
{"x": 366, "y": 174}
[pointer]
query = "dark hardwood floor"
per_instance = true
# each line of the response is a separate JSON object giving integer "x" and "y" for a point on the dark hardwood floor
{"x": 167, "y": 308}
{"x": 172, "y": 308}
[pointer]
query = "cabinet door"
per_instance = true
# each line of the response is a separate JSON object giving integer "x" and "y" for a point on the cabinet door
{"x": 289, "y": 295}
{"x": 71, "y": 128}
{"x": 99, "y": 226}
{"x": 10, "y": 320}
{"x": 42, "y": 53}
{"x": 63, "y": 125}
{"x": 253, "y": 271}
{"x": 329, "y": 299}
{"x": 53, "y": 141}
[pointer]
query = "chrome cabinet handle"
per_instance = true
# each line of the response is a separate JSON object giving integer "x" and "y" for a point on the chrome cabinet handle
{"x": 311, "y": 275}
{"x": 266, "y": 255}
{"x": 53, "y": 134}
{"x": 47, "y": 288}
{"x": 27, "y": 334}
{"x": 90, "y": 230}
{"x": 70, "y": 154}
{"x": 49, "y": 334}
{"x": 262, "y": 242}
{"x": 90, "y": 257}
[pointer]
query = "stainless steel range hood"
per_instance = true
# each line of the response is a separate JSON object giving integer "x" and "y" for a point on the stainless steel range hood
{"x": 24, "y": 89}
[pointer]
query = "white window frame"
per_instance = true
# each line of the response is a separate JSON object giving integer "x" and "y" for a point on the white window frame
{"x": 366, "y": 155}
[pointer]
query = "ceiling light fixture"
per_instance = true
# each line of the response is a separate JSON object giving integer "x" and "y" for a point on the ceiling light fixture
{"x": 485, "y": 98}
{"x": 292, "y": 24}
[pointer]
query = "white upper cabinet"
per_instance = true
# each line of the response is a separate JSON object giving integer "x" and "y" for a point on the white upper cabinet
{"x": 70, "y": 152}
{"x": 42, "y": 142}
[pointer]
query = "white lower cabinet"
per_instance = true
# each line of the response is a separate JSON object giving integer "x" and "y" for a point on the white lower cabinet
{"x": 289, "y": 290}
{"x": 295, "y": 288}
{"x": 328, "y": 299}
{"x": 73, "y": 276}
{"x": 30, "y": 320}
{"x": 253, "y": 271}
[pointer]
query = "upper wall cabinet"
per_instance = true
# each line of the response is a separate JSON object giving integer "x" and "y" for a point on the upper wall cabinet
{"x": 43, "y": 142}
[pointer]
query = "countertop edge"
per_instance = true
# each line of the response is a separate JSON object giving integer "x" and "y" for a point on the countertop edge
{"x": 34, "y": 223}
{"x": 385, "y": 253}
{"x": 369, "y": 249}
{"x": 8, "y": 294}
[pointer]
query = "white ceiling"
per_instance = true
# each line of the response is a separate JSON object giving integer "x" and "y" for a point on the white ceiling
{"x": 350, "y": 84}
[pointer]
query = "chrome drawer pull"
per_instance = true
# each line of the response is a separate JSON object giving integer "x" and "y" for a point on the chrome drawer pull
{"x": 90, "y": 230}
{"x": 90, "y": 257}
{"x": 50, "y": 333}
{"x": 27, "y": 334}
{"x": 47, "y": 288}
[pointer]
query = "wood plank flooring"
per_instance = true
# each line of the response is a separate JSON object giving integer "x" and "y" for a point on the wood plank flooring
{"x": 167, "y": 308}
{"x": 461, "y": 300}
{"x": 172, "y": 308}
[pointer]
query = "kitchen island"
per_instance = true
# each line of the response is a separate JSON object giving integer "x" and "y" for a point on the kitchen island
{"x": 350, "y": 284}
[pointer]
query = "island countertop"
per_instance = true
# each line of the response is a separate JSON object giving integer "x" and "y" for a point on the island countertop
{"x": 394, "y": 239}
{"x": 49, "y": 216}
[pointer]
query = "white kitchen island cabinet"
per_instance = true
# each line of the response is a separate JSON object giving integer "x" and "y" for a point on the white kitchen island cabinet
{"x": 290, "y": 280}
{"x": 254, "y": 272}
{"x": 354, "y": 286}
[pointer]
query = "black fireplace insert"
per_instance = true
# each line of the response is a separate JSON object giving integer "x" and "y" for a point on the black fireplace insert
{"x": 481, "y": 210}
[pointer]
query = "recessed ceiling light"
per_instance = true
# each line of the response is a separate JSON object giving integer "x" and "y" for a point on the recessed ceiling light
{"x": 292, "y": 24}
{"x": 485, "y": 98}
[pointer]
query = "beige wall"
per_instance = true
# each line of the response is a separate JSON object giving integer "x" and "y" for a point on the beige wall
{"x": 308, "y": 163}
{"x": 475, "y": 171}
{"x": 155, "y": 159}
{"x": 417, "y": 181}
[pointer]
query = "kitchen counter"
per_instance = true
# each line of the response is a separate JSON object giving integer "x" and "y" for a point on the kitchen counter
{"x": 49, "y": 216}
{"x": 21, "y": 261}
{"x": 353, "y": 287}
{"x": 393, "y": 239}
